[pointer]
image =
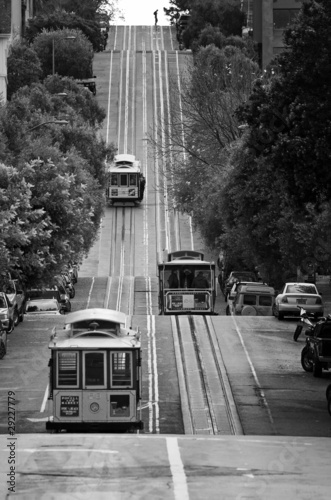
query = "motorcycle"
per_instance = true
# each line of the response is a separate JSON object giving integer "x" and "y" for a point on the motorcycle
{"x": 316, "y": 355}
{"x": 305, "y": 322}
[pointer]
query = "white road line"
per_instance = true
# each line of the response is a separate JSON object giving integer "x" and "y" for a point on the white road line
{"x": 183, "y": 137}
{"x": 120, "y": 101}
{"x": 155, "y": 379}
{"x": 171, "y": 40}
{"x": 60, "y": 449}
{"x": 115, "y": 40}
{"x": 165, "y": 190}
{"x": 109, "y": 93}
{"x": 43, "y": 404}
{"x": 265, "y": 403}
{"x": 177, "y": 470}
{"x": 157, "y": 179}
{"x": 126, "y": 101}
{"x": 150, "y": 375}
{"x": 90, "y": 293}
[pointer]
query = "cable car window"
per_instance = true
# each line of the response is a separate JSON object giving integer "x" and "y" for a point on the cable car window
{"x": 67, "y": 369}
{"x": 133, "y": 179}
{"x": 123, "y": 180}
{"x": 120, "y": 405}
{"x": 113, "y": 179}
{"x": 121, "y": 372}
{"x": 95, "y": 369}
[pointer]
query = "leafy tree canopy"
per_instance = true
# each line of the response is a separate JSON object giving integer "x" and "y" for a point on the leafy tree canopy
{"x": 279, "y": 187}
{"x": 73, "y": 54}
{"x": 61, "y": 20}
{"x": 23, "y": 67}
{"x": 49, "y": 171}
{"x": 224, "y": 14}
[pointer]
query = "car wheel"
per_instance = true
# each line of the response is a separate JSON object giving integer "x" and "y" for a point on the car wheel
{"x": 306, "y": 359}
{"x": 328, "y": 392}
{"x": 72, "y": 292}
{"x": 329, "y": 405}
{"x": 11, "y": 326}
{"x": 317, "y": 368}
{"x": 248, "y": 311}
{"x": 280, "y": 316}
{"x": 16, "y": 317}
{"x": 21, "y": 316}
{"x": 2, "y": 349}
{"x": 227, "y": 311}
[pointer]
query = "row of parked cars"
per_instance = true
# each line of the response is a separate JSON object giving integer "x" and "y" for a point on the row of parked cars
{"x": 16, "y": 301}
{"x": 248, "y": 296}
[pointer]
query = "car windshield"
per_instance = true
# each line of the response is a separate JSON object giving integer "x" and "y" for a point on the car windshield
{"x": 243, "y": 276}
{"x": 301, "y": 288}
{"x": 42, "y": 306}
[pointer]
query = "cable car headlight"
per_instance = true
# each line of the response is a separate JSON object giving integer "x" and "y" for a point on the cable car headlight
{"x": 94, "y": 407}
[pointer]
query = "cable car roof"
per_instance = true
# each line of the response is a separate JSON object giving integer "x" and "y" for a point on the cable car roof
{"x": 123, "y": 163}
{"x": 187, "y": 262}
{"x": 95, "y": 314}
{"x": 93, "y": 343}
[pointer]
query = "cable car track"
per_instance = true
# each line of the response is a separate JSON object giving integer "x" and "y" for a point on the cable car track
{"x": 209, "y": 407}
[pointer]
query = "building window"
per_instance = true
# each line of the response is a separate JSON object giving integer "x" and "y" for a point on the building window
{"x": 284, "y": 17}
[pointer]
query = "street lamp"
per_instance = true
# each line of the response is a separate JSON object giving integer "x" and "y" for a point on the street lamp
{"x": 56, "y": 122}
{"x": 53, "y": 51}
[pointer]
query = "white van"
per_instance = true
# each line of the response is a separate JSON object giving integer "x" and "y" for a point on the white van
{"x": 253, "y": 300}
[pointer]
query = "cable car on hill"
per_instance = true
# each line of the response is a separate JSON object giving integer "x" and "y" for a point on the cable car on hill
{"x": 95, "y": 373}
{"x": 126, "y": 183}
{"x": 187, "y": 284}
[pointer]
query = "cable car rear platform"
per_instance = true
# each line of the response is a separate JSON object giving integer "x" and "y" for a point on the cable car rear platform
{"x": 170, "y": 467}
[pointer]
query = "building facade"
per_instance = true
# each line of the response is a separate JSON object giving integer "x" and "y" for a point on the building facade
{"x": 13, "y": 17}
{"x": 270, "y": 19}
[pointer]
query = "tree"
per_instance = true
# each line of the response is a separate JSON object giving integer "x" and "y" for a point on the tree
{"x": 72, "y": 56}
{"x": 195, "y": 142}
{"x": 281, "y": 186}
{"x": 23, "y": 67}
{"x": 176, "y": 8}
{"x": 60, "y": 170}
{"x": 61, "y": 20}
{"x": 224, "y": 14}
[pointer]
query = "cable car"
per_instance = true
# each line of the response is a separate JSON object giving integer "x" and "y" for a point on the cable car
{"x": 95, "y": 373}
{"x": 126, "y": 183}
{"x": 187, "y": 284}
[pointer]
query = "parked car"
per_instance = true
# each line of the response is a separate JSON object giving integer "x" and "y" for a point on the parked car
{"x": 253, "y": 300}
{"x": 16, "y": 294}
{"x": 233, "y": 278}
{"x": 3, "y": 341}
{"x": 52, "y": 292}
{"x": 6, "y": 313}
{"x": 43, "y": 307}
{"x": 298, "y": 294}
{"x": 234, "y": 290}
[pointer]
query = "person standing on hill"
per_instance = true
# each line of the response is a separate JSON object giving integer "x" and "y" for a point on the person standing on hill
{"x": 155, "y": 15}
